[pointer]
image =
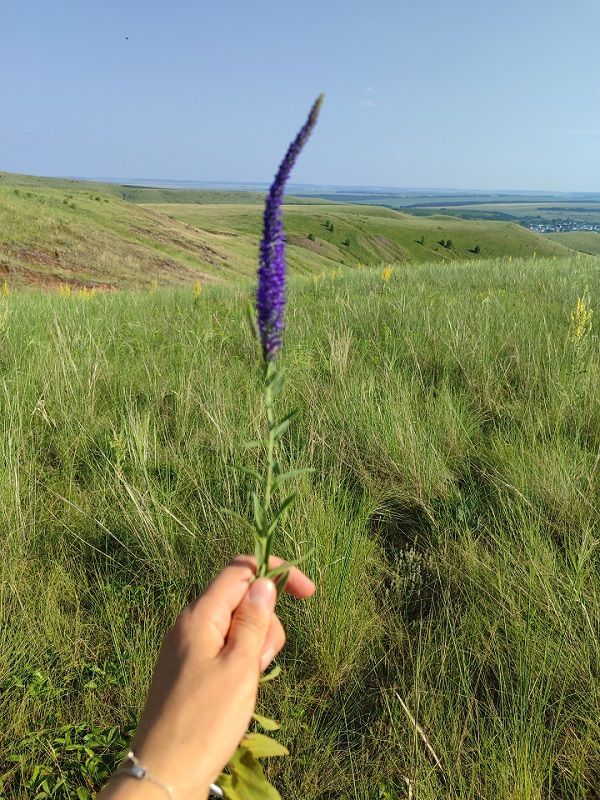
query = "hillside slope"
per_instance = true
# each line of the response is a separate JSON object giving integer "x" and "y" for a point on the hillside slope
{"x": 142, "y": 194}
{"x": 353, "y": 234}
{"x": 82, "y": 237}
{"x": 585, "y": 241}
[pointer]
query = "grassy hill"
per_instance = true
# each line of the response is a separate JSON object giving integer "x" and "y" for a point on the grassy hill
{"x": 584, "y": 241}
{"x": 370, "y": 234}
{"x": 142, "y": 194}
{"x": 82, "y": 235}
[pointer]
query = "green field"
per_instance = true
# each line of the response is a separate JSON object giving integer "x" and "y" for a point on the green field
{"x": 453, "y": 424}
{"x": 584, "y": 211}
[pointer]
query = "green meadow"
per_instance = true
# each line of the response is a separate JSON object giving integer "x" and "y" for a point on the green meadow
{"x": 452, "y": 420}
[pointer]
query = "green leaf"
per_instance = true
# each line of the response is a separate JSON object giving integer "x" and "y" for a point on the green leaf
{"x": 262, "y": 746}
{"x": 270, "y": 676}
{"x": 246, "y": 780}
{"x": 280, "y": 570}
{"x": 281, "y": 511}
{"x": 266, "y": 723}
{"x": 281, "y": 427}
{"x": 280, "y": 583}
{"x": 253, "y": 444}
{"x": 239, "y": 518}
{"x": 293, "y": 473}
{"x": 275, "y": 380}
{"x": 258, "y": 513}
{"x": 258, "y": 549}
{"x": 246, "y": 471}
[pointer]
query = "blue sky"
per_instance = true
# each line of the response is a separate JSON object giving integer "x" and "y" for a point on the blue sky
{"x": 467, "y": 94}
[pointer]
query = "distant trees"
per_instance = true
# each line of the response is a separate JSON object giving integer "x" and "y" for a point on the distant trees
{"x": 312, "y": 237}
{"x": 445, "y": 242}
{"x": 477, "y": 249}
{"x": 329, "y": 226}
{"x": 346, "y": 242}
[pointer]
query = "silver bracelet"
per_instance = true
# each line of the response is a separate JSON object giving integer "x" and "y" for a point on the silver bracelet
{"x": 131, "y": 767}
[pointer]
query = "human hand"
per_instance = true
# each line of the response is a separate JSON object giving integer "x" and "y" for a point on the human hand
{"x": 205, "y": 682}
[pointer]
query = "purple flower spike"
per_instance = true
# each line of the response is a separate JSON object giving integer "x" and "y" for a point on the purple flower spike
{"x": 270, "y": 296}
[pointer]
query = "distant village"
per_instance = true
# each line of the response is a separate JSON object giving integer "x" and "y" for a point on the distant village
{"x": 560, "y": 225}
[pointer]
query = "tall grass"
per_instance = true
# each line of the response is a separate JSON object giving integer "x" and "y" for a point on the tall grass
{"x": 454, "y": 429}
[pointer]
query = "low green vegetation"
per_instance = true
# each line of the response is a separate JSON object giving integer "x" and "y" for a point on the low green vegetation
{"x": 451, "y": 414}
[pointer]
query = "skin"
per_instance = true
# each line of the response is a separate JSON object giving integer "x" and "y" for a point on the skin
{"x": 205, "y": 683}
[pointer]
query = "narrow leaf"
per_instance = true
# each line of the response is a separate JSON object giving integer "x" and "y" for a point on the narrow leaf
{"x": 281, "y": 511}
{"x": 258, "y": 549}
{"x": 239, "y": 518}
{"x": 276, "y": 571}
{"x": 281, "y": 427}
{"x": 258, "y": 513}
{"x": 275, "y": 382}
{"x": 293, "y": 473}
{"x": 262, "y": 746}
{"x": 266, "y": 723}
{"x": 252, "y": 444}
{"x": 270, "y": 676}
{"x": 246, "y": 471}
{"x": 281, "y": 581}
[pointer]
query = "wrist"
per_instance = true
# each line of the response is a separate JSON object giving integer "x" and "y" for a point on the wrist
{"x": 124, "y": 787}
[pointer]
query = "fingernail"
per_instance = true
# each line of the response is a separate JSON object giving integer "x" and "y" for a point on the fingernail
{"x": 262, "y": 593}
{"x": 266, "y": 658}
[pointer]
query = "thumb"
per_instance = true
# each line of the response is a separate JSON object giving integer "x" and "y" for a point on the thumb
{"x": 251, "y": 619}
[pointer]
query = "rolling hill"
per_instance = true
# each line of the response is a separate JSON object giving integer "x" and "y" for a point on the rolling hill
{"x": 83, "y": 234}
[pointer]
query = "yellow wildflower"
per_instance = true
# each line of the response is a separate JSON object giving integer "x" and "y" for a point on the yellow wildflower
{"x": 581, "y": 321}
{"x": 5, "y": 289}
{"x": 64, "y": 290}
{"x": 197, "y": 289}
{"x": 387, "y": 274}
